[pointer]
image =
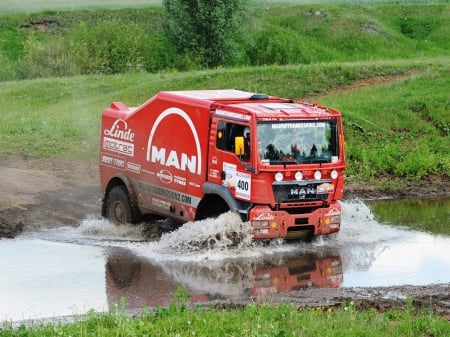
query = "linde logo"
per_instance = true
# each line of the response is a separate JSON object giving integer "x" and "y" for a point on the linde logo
{"x": 171, "y": 157}
{"x": 119, "y": 139}
{"x": 264, "y": 216}
{"x": 120, "y": 130}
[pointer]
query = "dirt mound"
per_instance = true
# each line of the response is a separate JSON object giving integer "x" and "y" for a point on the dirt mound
{"x": 46, "y": 193}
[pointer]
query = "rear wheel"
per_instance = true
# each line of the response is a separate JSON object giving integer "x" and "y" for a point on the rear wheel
{"x": 119, "y": 208}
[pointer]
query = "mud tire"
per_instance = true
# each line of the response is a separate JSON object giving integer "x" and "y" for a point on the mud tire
{"x": 119, "y": 209}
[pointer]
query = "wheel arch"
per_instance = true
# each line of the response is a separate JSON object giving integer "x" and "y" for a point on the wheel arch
{"x": 216, "y": 197}
{"x": 119, "y": 180}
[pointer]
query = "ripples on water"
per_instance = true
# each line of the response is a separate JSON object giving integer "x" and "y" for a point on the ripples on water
{"x": 96, "y": 263}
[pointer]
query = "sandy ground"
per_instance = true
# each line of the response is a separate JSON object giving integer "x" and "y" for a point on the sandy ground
{"x": 41, "y": 193}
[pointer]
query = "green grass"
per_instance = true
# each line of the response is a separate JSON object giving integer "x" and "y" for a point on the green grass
{"x": 55, "y": 42}
{"x": 249, "y": 320}
{"x": 397, "y": 129}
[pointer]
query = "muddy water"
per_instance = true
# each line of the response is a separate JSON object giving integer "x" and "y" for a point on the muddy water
{"x": 70, "y": 270}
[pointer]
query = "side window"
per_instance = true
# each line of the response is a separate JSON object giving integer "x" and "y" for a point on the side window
{"x": 226, "y": 133}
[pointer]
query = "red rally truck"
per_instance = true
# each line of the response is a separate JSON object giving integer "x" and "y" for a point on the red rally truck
{"x": 190, "y": 155}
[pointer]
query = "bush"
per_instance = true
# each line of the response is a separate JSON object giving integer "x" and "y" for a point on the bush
{"x": 7, "y": 70}
{"x": 51, "y": 58}
{"x": 204, "y": 30}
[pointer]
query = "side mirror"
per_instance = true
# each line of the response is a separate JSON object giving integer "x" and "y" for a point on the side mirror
{"x": 239, "y": 146}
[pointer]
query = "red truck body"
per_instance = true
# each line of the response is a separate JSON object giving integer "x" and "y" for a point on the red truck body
{"x": 183, "y": 155}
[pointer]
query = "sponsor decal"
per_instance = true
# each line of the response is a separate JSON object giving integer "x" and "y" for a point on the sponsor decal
{"x": 234, "y": 115}
{"x": 165, "y": 176}
{"x": 119, "y": 138}
{"x": 179, "y": 180}
{"x": 325, "y": 188}
{"x": 213, "y": 173}
{"x": 107, "y": 159}
{"x": 113, "y": 161}
{"x": 182, "y": 198}
{"x": 120, "y": 130}
{"x": 264, "y": 217}
{"x": 170, "y": 157}
{"x": 118, "y": 146}
{"x": 160, "y": 203}
{"x": 133, "y": 167}
{"x": 119, "y": 162}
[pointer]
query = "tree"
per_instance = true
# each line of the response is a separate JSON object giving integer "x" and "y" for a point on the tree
{"x": 204, "y": 30}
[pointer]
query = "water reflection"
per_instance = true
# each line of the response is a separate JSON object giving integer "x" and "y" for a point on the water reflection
{"x": 70, "y": 270}
{"x": 142, "y": 282}
{"x": 430, "y": 215}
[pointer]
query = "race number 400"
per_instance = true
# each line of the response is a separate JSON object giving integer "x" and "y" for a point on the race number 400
{"x": 243, "y": 185}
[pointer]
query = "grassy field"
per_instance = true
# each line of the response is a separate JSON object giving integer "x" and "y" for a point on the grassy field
{"x": 394, "y": 58}
{"x": 107, "y": 41}
{"x": 394, "y": 129}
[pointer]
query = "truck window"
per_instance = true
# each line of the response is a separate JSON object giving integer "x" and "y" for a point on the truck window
{"x": 226, "y": 134}
{"x": 298, "y": 142}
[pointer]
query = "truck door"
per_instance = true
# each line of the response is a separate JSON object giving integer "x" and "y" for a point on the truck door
{"x": 227, "y": 167}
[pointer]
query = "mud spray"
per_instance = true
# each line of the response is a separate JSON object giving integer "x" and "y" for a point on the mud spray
{"x": 361, "y": 240}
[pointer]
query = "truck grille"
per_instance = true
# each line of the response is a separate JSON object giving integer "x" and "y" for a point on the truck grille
{"x": 297, "y": 191}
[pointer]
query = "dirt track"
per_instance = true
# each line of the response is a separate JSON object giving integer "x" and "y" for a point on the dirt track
{"x": 54, "y": 192}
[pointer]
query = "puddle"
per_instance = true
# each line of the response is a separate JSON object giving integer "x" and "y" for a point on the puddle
{"x": 70, "y": 270}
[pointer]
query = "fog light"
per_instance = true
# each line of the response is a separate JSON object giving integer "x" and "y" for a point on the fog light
{"x": 298, "y": 176}
{"x": 334, "y": 226}
{"x": 261, "y": 231}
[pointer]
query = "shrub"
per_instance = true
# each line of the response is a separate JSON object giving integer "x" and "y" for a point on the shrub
{"x": 204, "y": 30}
{"x": 48, "y": 58}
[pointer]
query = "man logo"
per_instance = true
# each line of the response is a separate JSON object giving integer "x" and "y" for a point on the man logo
{"x": 172, "y": 158}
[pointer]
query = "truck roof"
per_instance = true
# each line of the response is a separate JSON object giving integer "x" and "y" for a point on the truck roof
{"x": 277, "y": 110}
{"x": 217, "y": 95}
{"x": 260, "y": 105}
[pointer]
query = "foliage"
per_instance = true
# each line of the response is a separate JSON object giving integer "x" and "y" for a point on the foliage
{"x": 204, "y": 30}
{"x": 110, "y": 41}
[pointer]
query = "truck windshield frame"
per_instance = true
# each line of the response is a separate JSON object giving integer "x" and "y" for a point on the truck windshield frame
{"x": 298, "y": 142}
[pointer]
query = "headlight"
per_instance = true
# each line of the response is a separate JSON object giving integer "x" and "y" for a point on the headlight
{"x": 260, "y": 223}
{"x": 298, "y": 176}
{"x": 334, "y": 174}
{"x": 317, "y": 175}
{"x": 278, "y": 176}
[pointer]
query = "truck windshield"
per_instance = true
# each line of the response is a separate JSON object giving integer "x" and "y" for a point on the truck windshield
{"x": 298, "y": 142}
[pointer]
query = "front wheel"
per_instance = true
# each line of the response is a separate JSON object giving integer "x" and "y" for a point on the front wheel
{"x": 119, "y": 209}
